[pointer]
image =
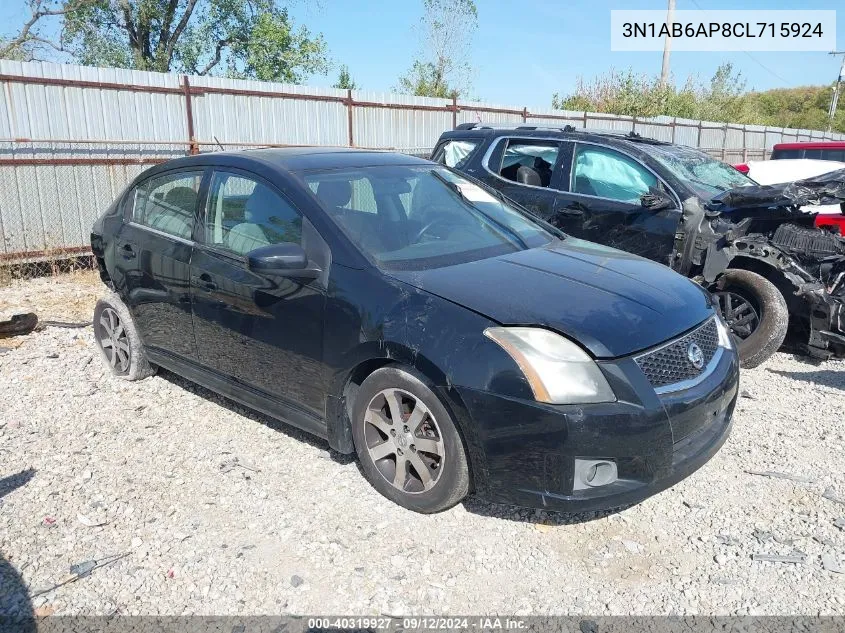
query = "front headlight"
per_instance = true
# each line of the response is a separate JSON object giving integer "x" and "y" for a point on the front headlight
{"x": 726, "y": 340}
{"x": 558, "y": 371}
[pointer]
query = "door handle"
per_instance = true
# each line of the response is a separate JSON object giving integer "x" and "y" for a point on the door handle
{"x": 127, "y": 251}
{"x": 203, "y": 282}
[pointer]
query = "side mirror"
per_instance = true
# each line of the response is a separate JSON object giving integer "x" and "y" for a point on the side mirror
{"x": 286, "y": 260}
{"x": 656, "y": 201}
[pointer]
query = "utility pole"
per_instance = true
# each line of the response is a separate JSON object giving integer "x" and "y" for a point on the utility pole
{"x": 836, "y": 90}
{"x": 667, "y": 45}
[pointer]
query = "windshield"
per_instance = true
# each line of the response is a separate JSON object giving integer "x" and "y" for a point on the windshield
{"x": 706, "y": 175}
{"x": 414, "y": 218}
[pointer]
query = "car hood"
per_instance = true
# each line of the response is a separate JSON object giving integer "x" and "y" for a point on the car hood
{"x": 611, "y": 302}
{"x": 825, "y": 189}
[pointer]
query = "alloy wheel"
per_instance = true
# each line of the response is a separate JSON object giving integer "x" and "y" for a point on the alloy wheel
{"x": 739, "y": 314}
{"x": 404, "y": 441}
{"x": 114, "y": 341}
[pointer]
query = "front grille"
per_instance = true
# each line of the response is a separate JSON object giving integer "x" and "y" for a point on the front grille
{"x": 670, "y": 363}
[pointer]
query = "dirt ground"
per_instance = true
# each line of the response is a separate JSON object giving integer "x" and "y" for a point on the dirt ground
{"x": 186, "y": 503}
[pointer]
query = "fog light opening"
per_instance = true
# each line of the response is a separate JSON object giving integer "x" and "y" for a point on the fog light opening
{"x": 594, "y": 473}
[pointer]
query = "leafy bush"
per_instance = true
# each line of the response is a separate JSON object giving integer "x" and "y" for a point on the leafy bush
{"x": 723, "y": 98}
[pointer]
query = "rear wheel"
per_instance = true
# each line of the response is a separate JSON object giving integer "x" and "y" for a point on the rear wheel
{"x": 118, "y": 340}
{"x": 756, "y": 313}
{"x": 409, "y": 447}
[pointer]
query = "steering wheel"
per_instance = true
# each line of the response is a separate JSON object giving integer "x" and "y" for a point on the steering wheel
{"x": 441, "y": 219}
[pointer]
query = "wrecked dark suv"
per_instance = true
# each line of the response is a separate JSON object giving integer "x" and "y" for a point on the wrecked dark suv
{"x": 752, "y": 246}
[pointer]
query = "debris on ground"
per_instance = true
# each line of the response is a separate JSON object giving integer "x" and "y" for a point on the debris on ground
{"x": 18, "y": 325}
{"x": 830, "y": 494}
{"x": 84, "y": 568}
{"x": 831, "y": 563}
{"x": 84, "y": 520}
{"x": 232, "y": 462}
{"x": 777, "y": 475}
{"x": 775, "y": 558}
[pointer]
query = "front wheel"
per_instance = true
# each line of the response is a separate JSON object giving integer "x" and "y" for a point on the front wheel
{"x": 756, "y": 313}
{"x": 409, "y": 447}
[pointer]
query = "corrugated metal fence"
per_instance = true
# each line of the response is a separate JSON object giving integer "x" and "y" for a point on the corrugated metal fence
{"x": 71, "y": 137}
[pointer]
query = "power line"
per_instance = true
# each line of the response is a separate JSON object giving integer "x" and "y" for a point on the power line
{"x": 761, "y": 64}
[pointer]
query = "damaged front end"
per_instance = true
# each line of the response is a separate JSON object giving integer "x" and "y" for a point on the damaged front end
{"x": 763, "y": 229}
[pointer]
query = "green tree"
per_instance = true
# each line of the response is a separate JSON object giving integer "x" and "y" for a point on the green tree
{"x": 344, "y": 80}
{"x": 723, "y": 98}
{"x": 627, "y": 93}
{"x": 28, "y": 43}
{"x": 239, "y": 38}
{"x": 442, "y": 68}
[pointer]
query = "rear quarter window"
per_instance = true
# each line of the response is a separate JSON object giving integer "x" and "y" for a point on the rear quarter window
{"x": 168, "y": 202}
{"x": 455, "y": 152}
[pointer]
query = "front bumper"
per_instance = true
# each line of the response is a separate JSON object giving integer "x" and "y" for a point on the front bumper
{"x": 524, "y": 452}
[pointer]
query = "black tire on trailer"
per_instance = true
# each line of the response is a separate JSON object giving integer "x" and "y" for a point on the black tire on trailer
{"x": 118, "y": 340}
{"x": 407, "y": 442}
{"x": 755, "y": 311}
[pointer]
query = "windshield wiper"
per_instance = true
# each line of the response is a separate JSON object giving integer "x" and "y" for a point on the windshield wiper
{"x": 503, "y": 227}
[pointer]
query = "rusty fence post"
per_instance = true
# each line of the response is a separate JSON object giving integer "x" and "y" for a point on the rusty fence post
{"x": 189, "y": 113}
{"x": 349, "y": 117}
{"x": 674, "y": 127}
{"x": 454, "y": 112}
{"x": 525, "y": 114}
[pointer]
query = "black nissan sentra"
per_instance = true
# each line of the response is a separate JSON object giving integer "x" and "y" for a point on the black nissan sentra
{"x": 419, "y": 319}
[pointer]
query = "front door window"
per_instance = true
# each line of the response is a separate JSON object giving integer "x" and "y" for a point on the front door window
{"x": 605, "y": 173}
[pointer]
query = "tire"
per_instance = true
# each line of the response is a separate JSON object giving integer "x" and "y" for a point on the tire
{"x": 118, "y": 341}
{"x": 768, "y": 330}
{"x": 431, "y": 442}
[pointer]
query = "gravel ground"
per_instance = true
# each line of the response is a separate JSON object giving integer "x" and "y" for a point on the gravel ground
{"x": 214, "y": 509}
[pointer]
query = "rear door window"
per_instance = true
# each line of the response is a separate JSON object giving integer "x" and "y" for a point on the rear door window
{"x": 168, "y": 203}
{"x": 606, "y": 173}
{"x": 243, "y": 214}
{"x": 530, "y": 162}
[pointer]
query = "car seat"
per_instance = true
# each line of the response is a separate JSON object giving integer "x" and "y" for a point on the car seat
{"x": 335, "y": 194}
{"x": 174, "y": 212}
{"x": 528, "y": 176}
{"x": 254, "y": 232}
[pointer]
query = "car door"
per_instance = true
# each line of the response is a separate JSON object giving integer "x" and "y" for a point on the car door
{"x": 526, "y": 170}
{"x": 153, "y": 250}
{"x": 263, "y": 331}
{"x": 601, "y": 202}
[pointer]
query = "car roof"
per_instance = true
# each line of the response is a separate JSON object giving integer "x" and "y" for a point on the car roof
{"x": 811, "y": 145}
{"x": 567, "y": 132}
{"x": 296, "y": 158}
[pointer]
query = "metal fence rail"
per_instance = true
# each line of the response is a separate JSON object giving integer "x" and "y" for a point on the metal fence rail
{"x": 72, "y": 137}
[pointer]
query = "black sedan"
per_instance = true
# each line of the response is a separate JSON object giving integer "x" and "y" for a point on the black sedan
{"x": 405, "y": 313}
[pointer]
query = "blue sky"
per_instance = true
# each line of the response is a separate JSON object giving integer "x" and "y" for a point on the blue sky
{"x": 523, "y": 52}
